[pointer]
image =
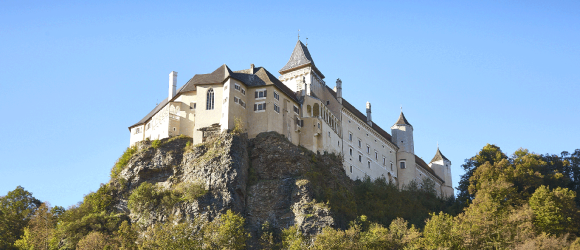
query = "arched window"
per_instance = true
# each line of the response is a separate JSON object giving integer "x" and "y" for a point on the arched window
{"x": 210, "y": 102}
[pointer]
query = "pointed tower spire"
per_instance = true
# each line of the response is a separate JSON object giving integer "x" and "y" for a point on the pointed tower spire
{"x": 439, "y": 156}
{"x": 402, "y": 119}
{"x": 300, "y": 58}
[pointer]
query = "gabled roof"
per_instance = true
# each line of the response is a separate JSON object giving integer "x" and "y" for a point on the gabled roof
{"x": 215, "y": 77}
{"x": 300, "y": 58}
{"x": 439, "y": 156}
{"x": 426, "y": 167}
{"x": 261, "y": 77}
{"x": 403, "y": 120}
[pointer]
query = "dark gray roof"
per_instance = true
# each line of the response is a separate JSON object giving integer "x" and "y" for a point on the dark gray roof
{"x": 403, "y": 120}
{"x": 426, "y": 167}
{"x": 361, "y": 116}
{"x": 261, "y": 77}
{"x": 151, "y": 114}
{"x": 439, "y": 156}
{"x": 215, "y": 77}
{"x": 300, "y": 58}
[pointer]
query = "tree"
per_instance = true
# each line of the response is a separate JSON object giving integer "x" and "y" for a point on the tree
{"x": 489, "y": 153}
{"x": 16, "y": 209}
{"x": 40, "y": 229}
{"x": 555, "y": 211}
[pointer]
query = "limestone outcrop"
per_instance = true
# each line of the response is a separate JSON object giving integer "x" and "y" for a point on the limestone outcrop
{"x": 264, "y": 178}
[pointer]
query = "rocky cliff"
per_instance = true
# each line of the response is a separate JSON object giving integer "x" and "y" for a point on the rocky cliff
{"x": 266, "y": 179}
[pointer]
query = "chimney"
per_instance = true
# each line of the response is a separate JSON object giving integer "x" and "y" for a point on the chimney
{"x": 252, "y": 68}
{"x": 172, "y": 84}
{"x": 369, "y": 119}
{"x": 339, "y": 90}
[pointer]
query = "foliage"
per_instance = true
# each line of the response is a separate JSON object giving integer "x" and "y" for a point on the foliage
{"x": 238, "y": 126}
{"x": 190, "y": 192}
{"x": 95, "y": 240}
{"x": 226, "y": 232}
{"x": 93, "y": 214}
{"x": 122, "y": 161}
{"x": 156, "y": 144}
{"x": 148, "y": 197}
{"x": 555, "y": 211}
{"x": 16, "y": 210}
{"x": 40, "y": 229}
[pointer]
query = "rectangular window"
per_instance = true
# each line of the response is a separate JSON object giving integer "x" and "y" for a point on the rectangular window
{"x": 359, "y": 158}
{"x": 276, "y": 96}
{"x": 350, "y": 136}
{"x": 402, "y": 165}
{"x": 359, "y": 143}
{"x": 299, "y": 122}
{"x": 260, "y": 106}
{"x": 391, "y": 166}
{"x": 351, "y": 169}
{"x": 236, "y": 99}
{"x": 296, "y": 110}
{"x": 369, "y": 163}
{"x": 239, "y": 88}
{"x": 376, "y": 155}
{"x": 351, "y": 152}
{"x": 368, "y": 149}
{"x": 384, "y": 161}
{"x": 261, "y": 94}
{"x": 193, "y": 105}
{"x": 276, "y": 108}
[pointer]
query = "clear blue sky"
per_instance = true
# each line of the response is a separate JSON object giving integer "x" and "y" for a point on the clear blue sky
{"x": 74, "y": 74}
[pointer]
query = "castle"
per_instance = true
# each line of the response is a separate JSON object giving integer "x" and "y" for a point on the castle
{"x": 299, "y": 105}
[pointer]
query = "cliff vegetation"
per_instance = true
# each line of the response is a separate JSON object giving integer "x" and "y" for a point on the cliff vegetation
{"x": 265, "y": 193}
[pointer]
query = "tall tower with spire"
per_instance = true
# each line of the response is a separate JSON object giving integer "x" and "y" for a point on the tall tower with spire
{"x": 300, "y": 73}
{"x": 402, "y": 136}
{"x": 442, "y": 167}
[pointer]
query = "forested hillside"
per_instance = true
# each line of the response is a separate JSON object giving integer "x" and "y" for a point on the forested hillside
{"x": 265, "y": 193}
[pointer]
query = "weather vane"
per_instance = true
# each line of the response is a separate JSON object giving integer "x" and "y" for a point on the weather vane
{"x": 298, "y": 34}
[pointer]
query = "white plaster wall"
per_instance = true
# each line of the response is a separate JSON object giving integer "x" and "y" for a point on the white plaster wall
{"x": 361, "y": 130}
{"x": 136, "y": 137}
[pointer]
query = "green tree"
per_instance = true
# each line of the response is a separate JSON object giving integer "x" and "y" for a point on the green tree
{"x": 16, "y": 210}
{"x": 489, "y": 153}
{"x": 555, "y": 210}
{"x": 440, "y": 232}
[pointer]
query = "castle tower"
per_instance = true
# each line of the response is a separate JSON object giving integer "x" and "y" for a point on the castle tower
{"x": 402, "y": 136}
{"x": 442, "y": 167}
{"x": 300, "y": 73}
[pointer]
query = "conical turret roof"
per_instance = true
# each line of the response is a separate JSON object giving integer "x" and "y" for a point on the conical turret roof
{"x": 300, "y": 58}
{"x": 402, "y": 120}
{"x": 439, "y": 156}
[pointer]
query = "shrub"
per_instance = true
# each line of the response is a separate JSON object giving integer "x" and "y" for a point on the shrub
{"x": 156, "y": 143}
{"x": 122, "y": 161}
{"x": 190, "y": 191}
{"x": 147, "y": 197}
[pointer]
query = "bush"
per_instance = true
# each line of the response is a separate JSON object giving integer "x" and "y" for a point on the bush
{"x": 190, "y": 191}
{"x": 147, "y": 197}
{"x": 155, "y": 144}
{"x": 122, "y": 161}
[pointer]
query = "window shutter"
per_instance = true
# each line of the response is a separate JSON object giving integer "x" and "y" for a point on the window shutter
{"x": 256, "y": 94}
{"x": 265, "y": 91}
{"x": 264, "y": 106}
{"x": 255, "y": 107}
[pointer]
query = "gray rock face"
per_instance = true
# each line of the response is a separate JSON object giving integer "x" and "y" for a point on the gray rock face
{"x": 262, "y": 179}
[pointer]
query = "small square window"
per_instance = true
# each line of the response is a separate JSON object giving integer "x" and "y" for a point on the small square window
{"x": 402, "y": 164}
